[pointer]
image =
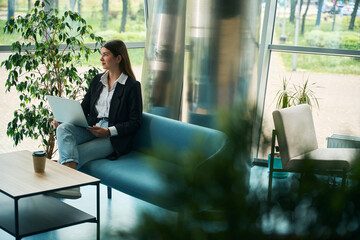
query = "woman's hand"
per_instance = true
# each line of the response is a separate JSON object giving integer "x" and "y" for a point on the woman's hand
{"x": 99, "y": 131}
{"x": 55, "y": 123}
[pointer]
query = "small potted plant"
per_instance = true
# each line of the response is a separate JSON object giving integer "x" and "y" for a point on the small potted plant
{"x": 287, "y": 97}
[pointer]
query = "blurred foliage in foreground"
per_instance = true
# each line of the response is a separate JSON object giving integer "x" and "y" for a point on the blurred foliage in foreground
{"x": 221, "y": 205}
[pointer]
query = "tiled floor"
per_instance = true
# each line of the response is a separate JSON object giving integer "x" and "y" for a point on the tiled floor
{"x": 121, "y": 213}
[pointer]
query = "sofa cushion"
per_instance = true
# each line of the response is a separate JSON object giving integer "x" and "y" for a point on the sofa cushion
{"x": 326, "y": 159}
{"x": 158, "y": 133}
{"x": 135, "y": 175}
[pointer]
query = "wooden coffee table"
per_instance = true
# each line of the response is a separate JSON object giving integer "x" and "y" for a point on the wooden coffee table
{"x": 26, "y": 209}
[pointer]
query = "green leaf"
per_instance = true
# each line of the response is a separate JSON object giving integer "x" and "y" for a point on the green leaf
{"x": 55, "y": 73}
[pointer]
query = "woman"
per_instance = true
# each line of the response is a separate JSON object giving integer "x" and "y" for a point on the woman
{"x": 113, "y": 106}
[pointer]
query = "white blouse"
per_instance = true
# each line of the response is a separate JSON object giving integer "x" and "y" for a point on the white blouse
{"x": 103, "y": 104}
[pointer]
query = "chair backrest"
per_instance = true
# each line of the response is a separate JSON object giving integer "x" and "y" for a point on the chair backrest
{"x": 295, "y": 131}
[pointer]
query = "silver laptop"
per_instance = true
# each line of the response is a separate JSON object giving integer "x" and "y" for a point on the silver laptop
{"x": 67, "y": 111}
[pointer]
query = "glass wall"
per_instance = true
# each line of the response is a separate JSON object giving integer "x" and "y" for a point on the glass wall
{"x": 336, "y": 90}
{"x": 313, "y": 26}
{"x": 109, "y": 19}
{"x": 317, "y": 24}
{"x": 334, "y": 78}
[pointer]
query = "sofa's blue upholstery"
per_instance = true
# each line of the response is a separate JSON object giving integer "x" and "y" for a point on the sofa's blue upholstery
{"x": 166, "y": 143}
{"x": 181, "y": 137}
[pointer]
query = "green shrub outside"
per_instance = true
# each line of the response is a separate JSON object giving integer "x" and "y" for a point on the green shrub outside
{"x": 125, "y": 36}
{"x": 6, "y": 39}
{"x": 136, "y": 57}
{"x": 317, "y": 38}
{"x": 350, "y": 41}
{"x": 343, "y": 40}
{"x": 323, "y": 36}
{"x": 322, "y": 63}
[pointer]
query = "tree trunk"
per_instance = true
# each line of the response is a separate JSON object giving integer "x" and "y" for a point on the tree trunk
{"x": 353, "y": 15}
{"x": 11, "y": 9}
{"x": 124, "y": 13}
{"x": 297, "y": 24}
{"x": 301, "y": 3}
{"x": 50, "y": 147}
{"x": 105, "y": 13}
{"x": 29, "y": 5}
{"x": 292, "y": 10}
{"x": 304, "y": 17}
{"x": 49, "y": 5}
{"x": 72, "y": 5}
{"x": 318, "y": 17}
{"x": 334, "y": 16}
{"x": 79, "y": 6}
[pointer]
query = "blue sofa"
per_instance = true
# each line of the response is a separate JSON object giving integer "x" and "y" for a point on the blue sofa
{"x": 161, "y": 146}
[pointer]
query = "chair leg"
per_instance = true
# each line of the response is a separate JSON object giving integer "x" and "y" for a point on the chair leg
{"x": 271, "y": 167}
{"x": 344, "y": 178}
{"x": 270, "y": 186}
{"x": 109, "y": 195}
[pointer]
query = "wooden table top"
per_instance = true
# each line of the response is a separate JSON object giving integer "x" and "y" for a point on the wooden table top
{"x": 17, "y": 176}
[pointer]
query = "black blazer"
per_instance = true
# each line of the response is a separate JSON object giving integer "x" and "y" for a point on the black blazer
{"x": 125, "y": 111}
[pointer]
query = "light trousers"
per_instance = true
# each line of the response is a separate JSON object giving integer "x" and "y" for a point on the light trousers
{"x": 79, "y": 145}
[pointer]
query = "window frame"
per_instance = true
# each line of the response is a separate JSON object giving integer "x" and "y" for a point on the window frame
{"x": 265, "y": 50}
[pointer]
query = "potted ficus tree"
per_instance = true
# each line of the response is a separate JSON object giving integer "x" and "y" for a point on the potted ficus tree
{"x": 288, "y": 96}
{"x": 43, "y": 62}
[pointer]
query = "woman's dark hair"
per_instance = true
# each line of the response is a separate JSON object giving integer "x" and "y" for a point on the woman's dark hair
{"x": 118, "y": 47}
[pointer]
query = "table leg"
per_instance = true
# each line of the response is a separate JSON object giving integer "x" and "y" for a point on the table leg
{"x": 16, "y": 208}
{"x": 98, "y": 211}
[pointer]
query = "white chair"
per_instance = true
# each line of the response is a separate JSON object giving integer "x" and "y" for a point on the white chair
{"x": 295, "y": 131}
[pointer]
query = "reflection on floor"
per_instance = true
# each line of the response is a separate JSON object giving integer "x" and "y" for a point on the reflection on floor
{"x": 122, "y": 212}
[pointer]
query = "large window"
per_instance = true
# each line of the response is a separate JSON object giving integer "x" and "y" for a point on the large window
{"x": 317, "y": 24}
{"x": 318, "y": 44}
{"x": 122, "y": 19}
{"x": 337, "y": 93}
{"x": 109, "y": 18}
